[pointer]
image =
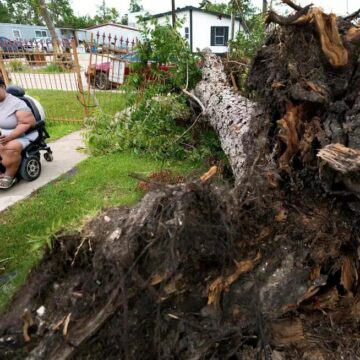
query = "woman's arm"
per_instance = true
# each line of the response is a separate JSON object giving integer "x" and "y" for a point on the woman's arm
{"x": 25, "y": 120}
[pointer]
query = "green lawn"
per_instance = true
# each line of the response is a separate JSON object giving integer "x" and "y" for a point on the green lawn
{"x": 97, "y": 183}
{"x": 65, "y": 105}
{"x": 57, "y": 130}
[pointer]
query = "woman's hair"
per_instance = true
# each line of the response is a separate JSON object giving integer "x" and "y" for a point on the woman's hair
{"x": 2, "y": 82}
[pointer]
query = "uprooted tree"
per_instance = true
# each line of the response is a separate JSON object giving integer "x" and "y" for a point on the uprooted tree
{"x": 265, "y": 270}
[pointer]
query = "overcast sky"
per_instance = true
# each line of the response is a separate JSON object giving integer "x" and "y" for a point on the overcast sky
{"x": 83, "y": 7}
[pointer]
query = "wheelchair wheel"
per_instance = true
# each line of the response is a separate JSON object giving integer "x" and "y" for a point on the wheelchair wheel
{"x": 30, "y": 168}
{"x": 48, "y": 157}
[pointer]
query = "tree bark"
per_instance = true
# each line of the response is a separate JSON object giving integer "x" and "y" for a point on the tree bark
{"x": 239, "y": 122}
{"x": 50, "y": 25}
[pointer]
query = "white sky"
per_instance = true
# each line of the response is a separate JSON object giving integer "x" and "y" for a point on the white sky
{"x": 83, "y": 7}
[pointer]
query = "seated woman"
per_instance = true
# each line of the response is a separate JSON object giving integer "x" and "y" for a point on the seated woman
{"x": 16, "y": 119}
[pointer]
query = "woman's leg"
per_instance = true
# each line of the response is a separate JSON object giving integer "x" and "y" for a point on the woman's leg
{"x": 11, "y": 157}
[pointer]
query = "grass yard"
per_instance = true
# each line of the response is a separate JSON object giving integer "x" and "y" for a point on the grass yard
{"x": 97, "y": 183}
{"x": 59, "y": 129}
{"x": 65, "y": 105}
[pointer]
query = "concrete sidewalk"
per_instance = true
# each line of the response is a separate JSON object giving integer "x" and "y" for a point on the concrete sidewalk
{"x": 66, "y": 156}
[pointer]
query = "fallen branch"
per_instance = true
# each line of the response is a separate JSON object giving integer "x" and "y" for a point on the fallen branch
{"x": 352, "y": 16}
{"x": 292, "y": 5}
{"x": 196, "y": 99}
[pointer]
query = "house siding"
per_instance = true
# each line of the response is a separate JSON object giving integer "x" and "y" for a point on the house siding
{"x": 27, "y": 32}
{"x": 182, "y": 15}
{"x": 201, "y": 28}
{"x": 202, "y": 24}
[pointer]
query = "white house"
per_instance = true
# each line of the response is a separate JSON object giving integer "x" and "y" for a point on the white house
{"x": 203, "y": 29}
{"x": 126, "y": 33}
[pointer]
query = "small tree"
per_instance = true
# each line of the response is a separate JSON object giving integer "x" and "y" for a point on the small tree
{"x": 4, "y": 13}
{"x": 106, "y": 14}
{"x": 135, "y": 6}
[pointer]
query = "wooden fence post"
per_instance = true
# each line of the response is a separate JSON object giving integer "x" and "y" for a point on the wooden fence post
{"x": 89, "y": 67}
{"x": 79, "y": 80}
{"x": 3, "y": 70}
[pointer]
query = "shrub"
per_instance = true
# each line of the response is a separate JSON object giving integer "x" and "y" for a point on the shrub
{"x": 156, "y": 126}
{"x": 16, "y": 66}
{"x": 149, "y": 127}
{"x": 164, "y": 45}
{"x": 54, "y": 68}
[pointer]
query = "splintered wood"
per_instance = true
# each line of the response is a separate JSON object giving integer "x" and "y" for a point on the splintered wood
{"x": 288, "y": 332}
{"x": 341, "y": 158}
{"x": 222, "y": 283}
{"x": 288, "y": 134}
{"x": 353, "y": 34}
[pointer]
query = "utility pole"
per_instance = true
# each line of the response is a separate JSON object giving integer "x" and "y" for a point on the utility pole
{"x": 173, "y": 13}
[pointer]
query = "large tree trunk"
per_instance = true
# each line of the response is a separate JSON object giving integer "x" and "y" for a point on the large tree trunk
{"x": 239, "y": 122}
{"x": 50, "y": 25}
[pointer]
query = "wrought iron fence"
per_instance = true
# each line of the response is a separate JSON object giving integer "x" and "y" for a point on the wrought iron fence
{"x": 77, "y": 81}
{"x": 52, "y": 78}
{"x": 109, "y": 65}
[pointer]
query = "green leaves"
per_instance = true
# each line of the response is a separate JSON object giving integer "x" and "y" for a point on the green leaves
{"x": 245, "y": 45}
{"x": 135, "y": 6}
{"x": 163, "y": 45}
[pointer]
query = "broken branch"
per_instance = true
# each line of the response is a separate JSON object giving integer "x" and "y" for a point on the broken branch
{"x": 352, "y": 16}
{"x": 196, "y": 99}
{"x": 273, "y": 17}
{"x": 292, "y": 5}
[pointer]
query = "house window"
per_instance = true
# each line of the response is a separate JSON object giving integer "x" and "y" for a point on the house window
{"x": 186, "y": 33}
{"x": 17, "y": 34}
{"x": 219, "y": 35}
{"x": 41, "y": 33}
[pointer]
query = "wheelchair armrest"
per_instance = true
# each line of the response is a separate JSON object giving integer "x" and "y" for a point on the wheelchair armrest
{"x": 39, "y": 124}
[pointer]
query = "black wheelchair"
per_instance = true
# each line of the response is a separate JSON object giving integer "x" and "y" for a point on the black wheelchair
{"x": 30, "y": 167}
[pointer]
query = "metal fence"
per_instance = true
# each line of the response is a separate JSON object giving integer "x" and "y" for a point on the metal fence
{"x": 52, "y": 78}
{"x": 75, "y": 83}
{"x": 109, "y": 65}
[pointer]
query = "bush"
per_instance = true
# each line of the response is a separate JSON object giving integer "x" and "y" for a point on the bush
{"x": 154, "y": 127}
{"x": 149, "y": 127}
{"x": 16, "y": 66}
{"x": 54, "y": 68}
{"x": 164, "y": 45}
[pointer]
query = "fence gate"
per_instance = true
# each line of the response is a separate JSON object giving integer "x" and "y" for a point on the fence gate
{"x": 55, "y": 80}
